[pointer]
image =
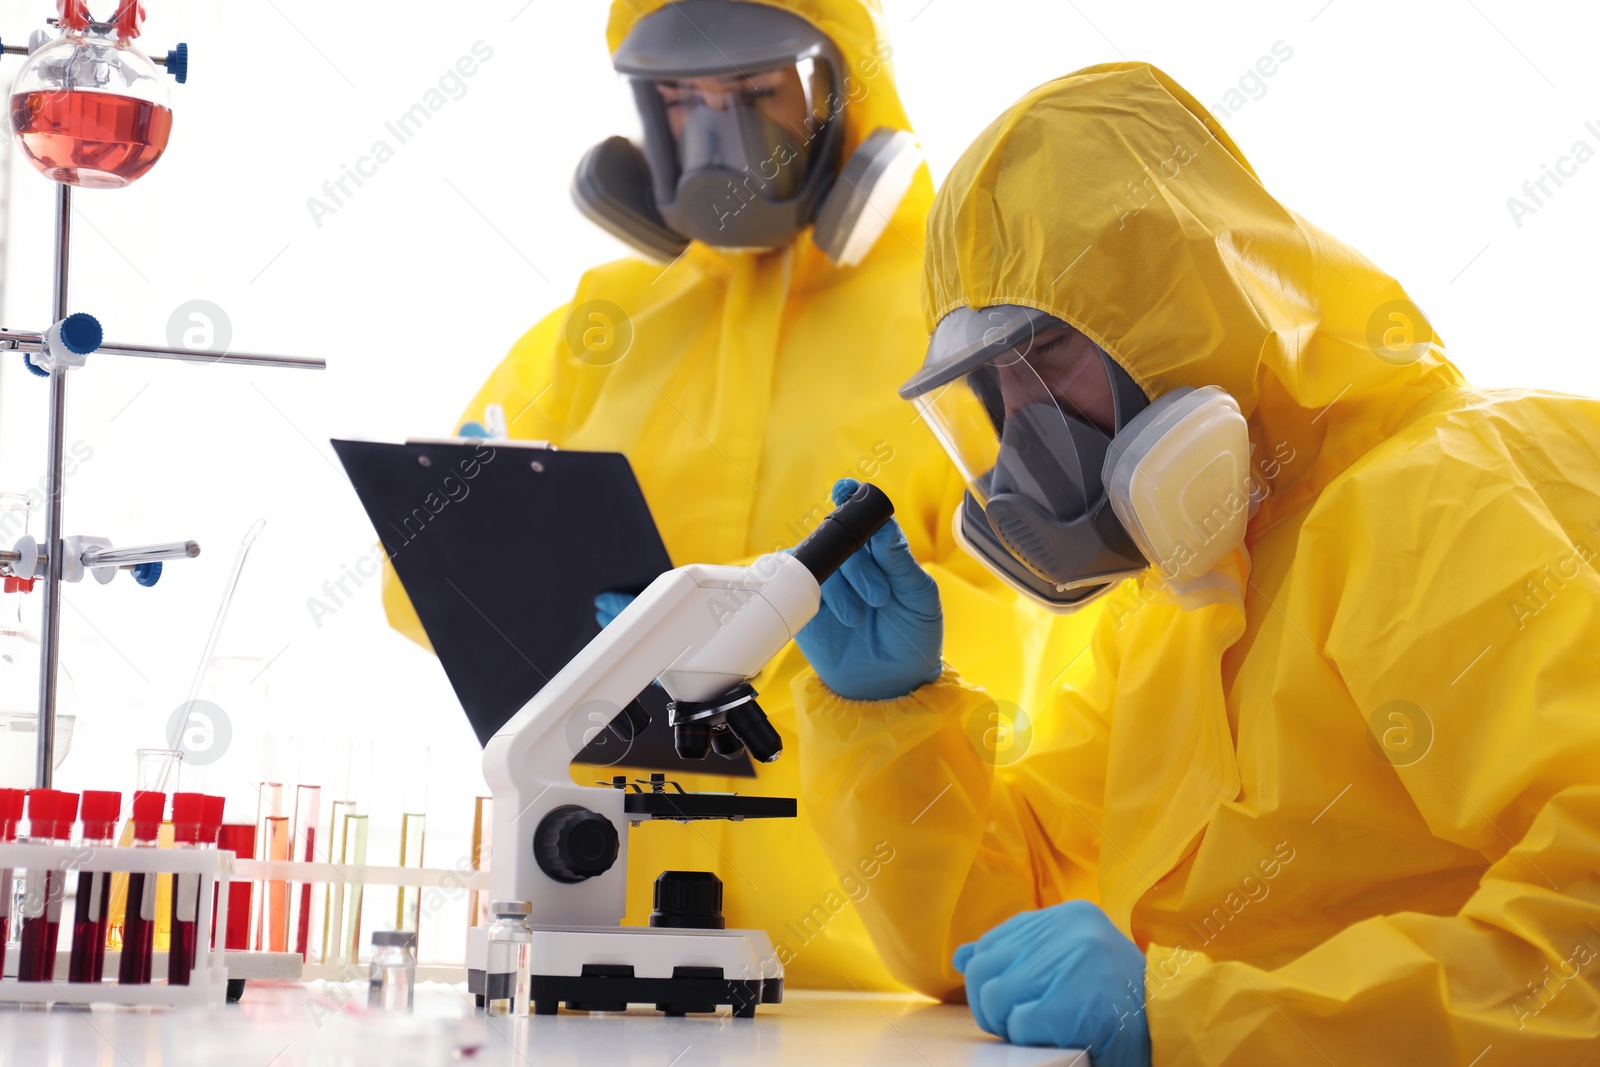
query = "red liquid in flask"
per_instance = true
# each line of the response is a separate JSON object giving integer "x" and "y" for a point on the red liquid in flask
{"x": 96, "y": 140}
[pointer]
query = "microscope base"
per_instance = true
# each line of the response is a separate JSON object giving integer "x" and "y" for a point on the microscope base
{"x": 683, "y": 994}
{"x": 678, "y": 971}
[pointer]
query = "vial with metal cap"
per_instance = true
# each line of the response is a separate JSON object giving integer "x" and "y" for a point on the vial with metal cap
{"x": 392, "y": 982}
{"x": 510, "y": 947}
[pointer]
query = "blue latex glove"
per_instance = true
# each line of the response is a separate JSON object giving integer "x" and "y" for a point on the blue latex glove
{"x": 880, "y": 631}
{"x": 607, "y": 606}
{"x": 1063, "y": 976}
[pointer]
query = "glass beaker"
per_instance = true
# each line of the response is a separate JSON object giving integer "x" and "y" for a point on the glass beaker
{"x": 90, "y": 109}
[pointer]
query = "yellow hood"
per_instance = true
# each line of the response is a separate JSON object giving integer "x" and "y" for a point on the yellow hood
{"x": 1111, "y": 199}
{"x": 855, "y": 27}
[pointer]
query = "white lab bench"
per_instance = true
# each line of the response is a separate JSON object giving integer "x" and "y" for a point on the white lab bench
{"x": 324, "y": 1025}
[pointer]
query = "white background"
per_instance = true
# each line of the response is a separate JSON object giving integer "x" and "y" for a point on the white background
{"x": 1400, "y": 127}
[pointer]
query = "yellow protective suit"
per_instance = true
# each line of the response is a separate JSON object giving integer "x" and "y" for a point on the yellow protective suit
{"x": 752, "y": 383}
{"x": 1353, "y": 814}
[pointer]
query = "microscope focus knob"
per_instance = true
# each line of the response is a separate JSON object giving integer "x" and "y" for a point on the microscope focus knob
{"x": 573, "y": 843}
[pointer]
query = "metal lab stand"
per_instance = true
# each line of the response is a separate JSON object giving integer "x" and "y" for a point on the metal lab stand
{"x": 52, "y": 561}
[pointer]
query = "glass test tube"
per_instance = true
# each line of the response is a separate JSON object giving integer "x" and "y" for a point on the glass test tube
{"x": 139, "y": 928}
{"x": 50, "y": 816}
{"x": 240, "y": 839}
{"x": 413, "y": 827}
{"x": 196, "y": 818}
{"x": 269, "y": 803}
{"x": 210, "y": 835}
{"x": 10, "y": 816}
{"x": 188, "y": 822}
{"x": 482, "y": 845}
{"x": 165, "y": 837}
{"x": 351, "y": 770}
{"x": 307, "y": 817}
{"x": 333, "y": 893}
{"x": 92, "y": 906}
{"x": 274, "y": 933}
{"x": 157, "y": 770}
{"x": 354, "y": 854}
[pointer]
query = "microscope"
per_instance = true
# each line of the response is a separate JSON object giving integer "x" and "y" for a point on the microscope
{"x": 702, "y": 633}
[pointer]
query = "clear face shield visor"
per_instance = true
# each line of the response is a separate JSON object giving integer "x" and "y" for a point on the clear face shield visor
{"x": 1027, "y": 408}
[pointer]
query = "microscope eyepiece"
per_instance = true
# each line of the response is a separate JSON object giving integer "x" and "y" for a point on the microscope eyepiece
{"x": 846, "y": 530}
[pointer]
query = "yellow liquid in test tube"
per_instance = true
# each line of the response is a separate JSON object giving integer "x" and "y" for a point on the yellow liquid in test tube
{"x": 117, "y": 910}
{"x": 482, "y": 842}
{"x": 408, "y": 909}
{"x": 354, "y": 854}
{"x": 333, "y": 896}
{"x": 164, "y": 839}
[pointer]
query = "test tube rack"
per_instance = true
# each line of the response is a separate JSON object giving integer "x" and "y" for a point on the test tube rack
{"x": 349, "y": 876}
{"x": 208, "y": 982}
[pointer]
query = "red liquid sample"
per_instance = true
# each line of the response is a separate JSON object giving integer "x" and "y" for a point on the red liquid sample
{"x": 89, "y": 916}
{"x": 185, "y": 925}
{"x": 96, "y": 140}
{"x": 302, "y": 933}
{"x": 240, "y": 839}
{"x": 139, "y": 930}
{"x": 5, "y": 916}
{"x": 36, "y": 957}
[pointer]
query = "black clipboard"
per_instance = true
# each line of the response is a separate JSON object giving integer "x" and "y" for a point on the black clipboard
{"x": 502, "y": 548}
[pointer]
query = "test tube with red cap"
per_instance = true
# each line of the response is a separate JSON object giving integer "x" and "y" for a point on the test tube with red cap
{"x": 240, "y": 840}
{"x": 98, "y": 814}
{"x": 189, "y": 827}
{"x": 139, "y": 927}
{"x": 50, "y": 816}
{"x": 10, "y": 816}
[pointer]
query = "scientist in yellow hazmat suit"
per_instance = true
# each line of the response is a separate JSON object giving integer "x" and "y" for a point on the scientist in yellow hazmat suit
{"x": 1324, "y": 785}
{"x": 745, "y": 361}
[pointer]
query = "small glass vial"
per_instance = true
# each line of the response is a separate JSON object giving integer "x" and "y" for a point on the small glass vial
{"x": 393, "y": 981}
{"x": 506, "y": 970}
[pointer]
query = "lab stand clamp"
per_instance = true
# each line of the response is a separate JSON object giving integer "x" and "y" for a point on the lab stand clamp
{"x": 88, "y": 109}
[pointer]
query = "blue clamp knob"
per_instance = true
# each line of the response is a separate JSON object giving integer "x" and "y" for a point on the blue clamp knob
{"x": 178, "y": 63}
{"x": 81, "y": 333}
{"x": 147, "y": 574}
{"x": 34, "y": 368}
